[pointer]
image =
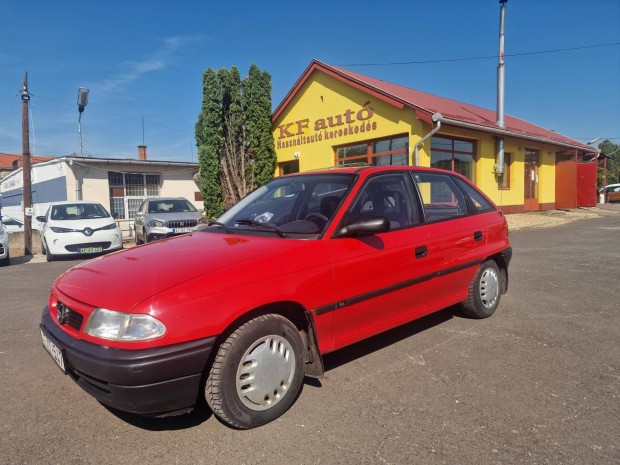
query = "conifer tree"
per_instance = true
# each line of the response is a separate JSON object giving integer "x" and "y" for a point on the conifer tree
{"x": 233, "y": 133}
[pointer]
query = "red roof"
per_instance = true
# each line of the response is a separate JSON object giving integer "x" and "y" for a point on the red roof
{"x": 427, "y": 104}
{"x": 6, "y": 160}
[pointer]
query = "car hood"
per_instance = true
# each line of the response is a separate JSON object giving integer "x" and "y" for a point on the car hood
{"x": 121, "y": 280}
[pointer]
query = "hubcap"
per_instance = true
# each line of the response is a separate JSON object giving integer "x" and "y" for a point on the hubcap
{"x": 489, "y": 288}
{"x": 265, "y": 372}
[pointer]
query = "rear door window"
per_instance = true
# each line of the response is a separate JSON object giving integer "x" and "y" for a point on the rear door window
{"x": 441, "y": 198}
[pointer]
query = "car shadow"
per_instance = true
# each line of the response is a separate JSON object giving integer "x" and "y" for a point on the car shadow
{"x": 196, "y": 417}
{"x": 381, "y": 341}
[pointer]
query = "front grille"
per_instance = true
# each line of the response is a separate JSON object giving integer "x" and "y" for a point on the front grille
{"x": 67, "y": 316}
{"x": 76, "y": 247}
{"x": 181, "y": 224}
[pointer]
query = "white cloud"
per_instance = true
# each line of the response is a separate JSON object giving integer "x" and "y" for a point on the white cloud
{"x": 158, "y": 60}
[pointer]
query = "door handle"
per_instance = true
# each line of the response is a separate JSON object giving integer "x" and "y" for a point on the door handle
{"x": 478, "y": 236}
{"x": 421, "y": 252}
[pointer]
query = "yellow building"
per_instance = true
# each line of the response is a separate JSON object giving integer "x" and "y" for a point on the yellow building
{"x": 333, "y": 117}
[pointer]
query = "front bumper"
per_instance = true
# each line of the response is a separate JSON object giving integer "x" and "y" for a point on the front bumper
{"x": 149, "y": 382}
{"x": 69, "y": 243}
{"x": 159, "y": 233}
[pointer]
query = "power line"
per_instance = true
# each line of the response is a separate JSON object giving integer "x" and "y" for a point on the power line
{"x": 448, "y": 60}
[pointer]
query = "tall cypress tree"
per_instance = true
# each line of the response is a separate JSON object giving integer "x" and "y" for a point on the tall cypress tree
{"x": 210, "y": 140}
{"x": 235, "y": 145}
{"x": 257, "y": 106}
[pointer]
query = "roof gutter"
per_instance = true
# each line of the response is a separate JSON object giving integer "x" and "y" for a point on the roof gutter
{"x": 437, "y": 117}
{"x": 506, "y": 132}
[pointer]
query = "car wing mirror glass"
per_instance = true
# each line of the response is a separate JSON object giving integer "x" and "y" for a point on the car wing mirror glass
{"x": 41, "y": 219}
{"x": 365, "y": 227}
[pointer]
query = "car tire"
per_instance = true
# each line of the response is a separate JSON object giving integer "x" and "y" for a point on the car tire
{"x": 484, "y": 291}
{"x": 257, "y": 372}
{"x": 48, "y": 256}
{"x": 138, "y": 240}
{"x": 6, "y": 261}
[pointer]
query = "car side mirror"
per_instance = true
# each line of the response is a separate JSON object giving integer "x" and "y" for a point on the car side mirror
{"x": 41, "y": 219}
{"x": 365, "y": 227}
{"x": 139, "y": 214}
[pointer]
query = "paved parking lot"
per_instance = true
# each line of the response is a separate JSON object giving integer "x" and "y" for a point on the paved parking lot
{"x": 538, "y": 383}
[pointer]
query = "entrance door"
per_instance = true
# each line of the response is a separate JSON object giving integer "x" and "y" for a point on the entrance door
{"x": 531, "y": 180}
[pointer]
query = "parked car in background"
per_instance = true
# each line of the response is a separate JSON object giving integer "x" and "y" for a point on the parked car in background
{"x": 248, "y": 305}
{"x": 162, "y": 217}
{"x": 78, "y": 228}
{"x": 5, "y": 258}
{"x": 12, "y": 224}
{"x": 612, "y": 193}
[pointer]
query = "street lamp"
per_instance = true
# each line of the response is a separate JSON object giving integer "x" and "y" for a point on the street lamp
{"x": 82, "y": 101}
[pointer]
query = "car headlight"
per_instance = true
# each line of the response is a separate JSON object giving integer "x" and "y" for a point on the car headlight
{"x": 56, "y": 229}
{"x": 156, "y": 224}
{"x": 118, "y": 326}
{"x": 110, "y": 226}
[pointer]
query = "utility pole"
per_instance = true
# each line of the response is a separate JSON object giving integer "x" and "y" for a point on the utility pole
{"x": 27, "y": 188}
{"x": 501, "y": 83}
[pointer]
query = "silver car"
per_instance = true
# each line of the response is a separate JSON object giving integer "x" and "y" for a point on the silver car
{"x": 159, "y": 218}
{"x": 5, "y": 259}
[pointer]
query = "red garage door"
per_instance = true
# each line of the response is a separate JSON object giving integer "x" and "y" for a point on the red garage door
{"x": 586, "y": 185}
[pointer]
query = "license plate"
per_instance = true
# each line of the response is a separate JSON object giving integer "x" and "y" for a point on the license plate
{"x": 182, "y": 230}
{"x": 90, "y": 249}
{"x": 54, "y": 351}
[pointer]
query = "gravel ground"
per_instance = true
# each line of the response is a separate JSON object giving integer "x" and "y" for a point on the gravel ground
{"x": 554, "y": 218}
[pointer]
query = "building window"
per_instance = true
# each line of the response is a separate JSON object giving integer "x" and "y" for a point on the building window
{"x": 289, "y": 167}
{"x": 503, "y": 180}
{"x": 384, "y": 152}
{"x": 454, "y": 155}
{"x": 128, "y": 190}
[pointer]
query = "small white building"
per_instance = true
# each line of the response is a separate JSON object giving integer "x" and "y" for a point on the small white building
{"x": 120, "y": 185}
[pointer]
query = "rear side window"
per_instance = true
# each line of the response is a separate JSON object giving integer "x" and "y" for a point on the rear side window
{"x": 441, "y": 198}
{"x": 477, "y": 202}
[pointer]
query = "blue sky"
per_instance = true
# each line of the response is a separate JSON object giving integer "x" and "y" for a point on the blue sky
{"x": 145, "y": 59}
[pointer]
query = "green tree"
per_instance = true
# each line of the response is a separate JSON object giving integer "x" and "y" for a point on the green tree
{"x": 210, "y": 141}
{"x": 612, "y": 151}
{"x": 257, "y": 107}
{"x": 233, "y": 133}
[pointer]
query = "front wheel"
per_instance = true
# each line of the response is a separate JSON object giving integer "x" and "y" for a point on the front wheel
{"x": 48, "y": 256}
{"x": 484, "y": 291}
{"x": 257, "y": 373}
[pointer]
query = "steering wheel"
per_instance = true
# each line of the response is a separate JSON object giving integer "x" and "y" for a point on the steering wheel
{"x": 320, "y": 216}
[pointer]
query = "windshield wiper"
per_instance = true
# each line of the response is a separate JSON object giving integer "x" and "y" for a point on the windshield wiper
{"x": 259, "y": 225}
{"x": 221, "y": 225}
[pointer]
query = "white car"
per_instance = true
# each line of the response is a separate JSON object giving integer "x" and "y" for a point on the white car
{"x": 78, "y": 228}
{"x": 12, "y": 224}
{"x": 5, "y": 259}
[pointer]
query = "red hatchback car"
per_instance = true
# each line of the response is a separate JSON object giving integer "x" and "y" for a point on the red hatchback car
{"x": 247, "y": 306}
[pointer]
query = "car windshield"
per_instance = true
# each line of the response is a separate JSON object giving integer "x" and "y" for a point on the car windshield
{"x": 294, "y": 206}
{"x": 170, "y": 206}
{"x": 78, "y": 211}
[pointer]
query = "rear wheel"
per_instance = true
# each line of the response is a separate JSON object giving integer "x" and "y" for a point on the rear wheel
{"x": 484, "y": 291}
{"x": 257, "y": 373}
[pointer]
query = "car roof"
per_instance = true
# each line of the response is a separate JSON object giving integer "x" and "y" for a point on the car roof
{"x": 159, "y": 199}
{"x": 73, "y": 202}
{"x": 368, "y": 170}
